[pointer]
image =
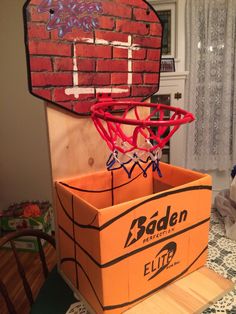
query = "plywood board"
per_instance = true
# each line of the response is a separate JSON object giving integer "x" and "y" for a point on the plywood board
{"x": 75, "y": 145}
{"x": 191, "y": 294}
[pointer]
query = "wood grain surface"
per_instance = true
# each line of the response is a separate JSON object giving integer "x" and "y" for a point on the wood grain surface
{"x": 75, "y": 145}
{"x": 34, "y": 273}
{"x": 191, "y": 294}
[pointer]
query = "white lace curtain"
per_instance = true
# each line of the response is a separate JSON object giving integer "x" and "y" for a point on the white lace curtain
{"x": 211, "y": 86}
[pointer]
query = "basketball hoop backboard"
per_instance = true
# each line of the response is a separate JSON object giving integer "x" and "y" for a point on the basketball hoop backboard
{"x": 79, "y": 49}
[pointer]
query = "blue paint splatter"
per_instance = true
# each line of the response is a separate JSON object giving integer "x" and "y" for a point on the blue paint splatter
{"x": 66, "y": 14}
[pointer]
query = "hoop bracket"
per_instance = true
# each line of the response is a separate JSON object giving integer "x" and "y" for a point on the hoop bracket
{"x": 105, "y": 97}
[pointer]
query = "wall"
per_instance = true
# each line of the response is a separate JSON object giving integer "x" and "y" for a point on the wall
{"x": 24, "y": 157}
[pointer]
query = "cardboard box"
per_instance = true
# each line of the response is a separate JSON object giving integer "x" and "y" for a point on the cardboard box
{"x": 118, "y": 246}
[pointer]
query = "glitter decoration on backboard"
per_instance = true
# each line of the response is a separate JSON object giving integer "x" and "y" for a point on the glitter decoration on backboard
{"x": 64, "y": 15}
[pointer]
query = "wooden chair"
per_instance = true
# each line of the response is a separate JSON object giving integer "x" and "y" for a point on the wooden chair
{"x": 52, "y": 281}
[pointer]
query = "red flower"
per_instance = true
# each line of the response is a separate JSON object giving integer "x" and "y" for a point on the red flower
{"x": 31, "y": 210}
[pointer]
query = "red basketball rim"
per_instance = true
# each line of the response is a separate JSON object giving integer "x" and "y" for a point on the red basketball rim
{"x": 101, "y": 111}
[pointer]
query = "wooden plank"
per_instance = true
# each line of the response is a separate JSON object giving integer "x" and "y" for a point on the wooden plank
{"x": 191, "y": 294}
{"x": 75, "y": 145}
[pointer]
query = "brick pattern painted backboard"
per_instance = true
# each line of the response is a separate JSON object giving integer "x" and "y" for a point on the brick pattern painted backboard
{"x": 77, "y": 50}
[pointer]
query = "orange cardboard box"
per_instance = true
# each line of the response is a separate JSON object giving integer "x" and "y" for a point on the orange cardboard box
{"x": 121, "y": 240}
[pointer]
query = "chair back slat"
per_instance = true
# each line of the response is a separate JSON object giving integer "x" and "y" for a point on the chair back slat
{"x": 26, "y": 285}
{"x": 9, "y": 238}
{"x": 4, "y": 292}
{"x": 42, "y": 258}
